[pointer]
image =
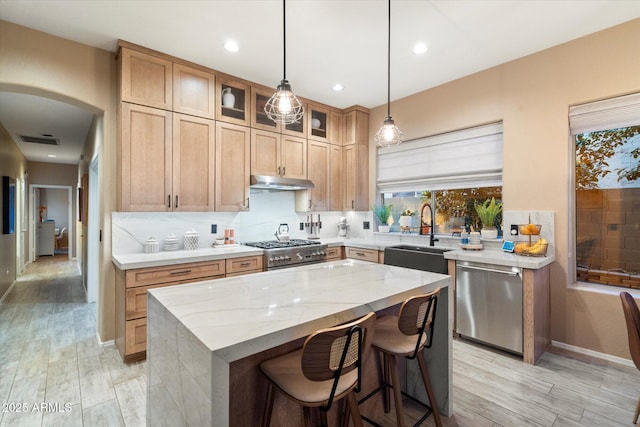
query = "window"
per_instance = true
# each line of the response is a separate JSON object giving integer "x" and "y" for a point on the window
{"x": 607, "y": 191}
{"x": 450, "y": 171}
{"x": 454, "y": 208}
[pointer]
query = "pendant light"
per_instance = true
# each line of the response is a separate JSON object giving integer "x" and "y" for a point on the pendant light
{"x": 284, "y": 107}
{"x": 389, "y": 135}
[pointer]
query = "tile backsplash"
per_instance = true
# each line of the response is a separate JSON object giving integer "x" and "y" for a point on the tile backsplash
{"x": 269, "y": 209}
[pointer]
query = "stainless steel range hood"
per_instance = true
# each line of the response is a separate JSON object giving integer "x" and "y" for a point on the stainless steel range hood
{"x": 279, "y": 183}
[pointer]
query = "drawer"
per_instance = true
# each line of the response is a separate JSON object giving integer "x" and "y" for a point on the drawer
{"x": 175, "y": 273}
{"x": 362, "y": 254}
{"x": 136, "y": 298}
{"x": 135, "y": 336}
{"x": 334, "y": 253}
{"x": 249, "y": 264}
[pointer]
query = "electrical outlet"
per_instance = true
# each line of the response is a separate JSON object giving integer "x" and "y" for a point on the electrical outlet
{"x": 214, "y": 228}
{"x": 302, "y": 226}
{"x": 365, "y": 225}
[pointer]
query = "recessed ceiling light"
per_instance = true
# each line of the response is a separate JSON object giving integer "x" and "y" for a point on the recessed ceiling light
{"x": 338, "y": 87}
{"x": 51, "y": 155}
{"x": 231, "y": 46}
{"x": 420, "y": 48}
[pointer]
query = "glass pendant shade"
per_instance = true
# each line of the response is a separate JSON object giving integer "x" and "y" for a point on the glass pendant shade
{"x": 389, "y": 135}
{"x": 284, "y": 107}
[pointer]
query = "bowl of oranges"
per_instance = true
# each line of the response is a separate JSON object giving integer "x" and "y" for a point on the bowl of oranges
{"x": 530, "y": 229}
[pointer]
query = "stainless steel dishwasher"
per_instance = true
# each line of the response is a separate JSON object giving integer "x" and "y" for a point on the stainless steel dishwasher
{"x": 489, "y": 304}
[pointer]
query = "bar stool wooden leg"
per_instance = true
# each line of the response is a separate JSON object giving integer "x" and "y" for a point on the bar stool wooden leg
{"x": 386, "y": 379}
{"x": 430, "y": 394}
{"x": 354, "y": 410}
{"x": 397, "y": 390}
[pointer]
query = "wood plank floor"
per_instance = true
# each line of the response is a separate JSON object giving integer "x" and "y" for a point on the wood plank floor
{"x": 49, "y": 354}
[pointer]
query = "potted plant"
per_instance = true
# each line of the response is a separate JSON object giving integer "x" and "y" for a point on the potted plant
{"x": 383, "y": 213}
{"x": 488, "y": 212}
{"x": 405, "y": 219}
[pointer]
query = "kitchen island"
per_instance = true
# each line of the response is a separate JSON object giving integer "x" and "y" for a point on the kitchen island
{"x": 206, "y": 339}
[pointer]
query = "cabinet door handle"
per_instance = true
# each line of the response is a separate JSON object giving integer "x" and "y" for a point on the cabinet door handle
{"x": 491, "y": 270}
{"x": 169, "y": 200}
{"x": 245, "y": 264}
{"x": 353, "y": 204}
{"x": 309, "y": 203}
{"x": 283, "y": 170}
{"x": 246, "y": 205}
{"x": 279, "y": 173}
{"x": 176, "y": 273}
{"x": 176, "y": 204}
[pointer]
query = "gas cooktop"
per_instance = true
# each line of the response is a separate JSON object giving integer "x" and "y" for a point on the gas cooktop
{"x": 275, "y": 244}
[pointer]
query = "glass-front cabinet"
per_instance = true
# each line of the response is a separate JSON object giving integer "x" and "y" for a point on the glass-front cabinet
{"x": 259, "y": 119}
{"x": 232, "y": 101}
{"x": 318, "y": 126}
{"x": 298, "y": 128}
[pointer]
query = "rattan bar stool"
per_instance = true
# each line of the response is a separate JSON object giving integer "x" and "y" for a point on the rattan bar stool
{"x": 406, "y": 335}
{"x": 326, "y": 369}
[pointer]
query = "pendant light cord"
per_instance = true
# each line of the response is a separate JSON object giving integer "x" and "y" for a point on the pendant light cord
{"x": 284, "y": 40}
{"x": 389, "y": 63}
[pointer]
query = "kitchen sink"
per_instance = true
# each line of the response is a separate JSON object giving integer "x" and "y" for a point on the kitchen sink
{"x": 426, "y": 258}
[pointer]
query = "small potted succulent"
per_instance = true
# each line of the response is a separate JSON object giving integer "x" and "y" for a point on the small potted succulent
{"x": 383, "y": 213}
{"x": 405, "y": 219}
{"x": 488, "y": 212}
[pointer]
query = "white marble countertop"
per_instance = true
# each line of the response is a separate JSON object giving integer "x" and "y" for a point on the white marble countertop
{"x": 142, "y": 260}
{"x": 239, "y": 316}
{"x": 500, "y": 258}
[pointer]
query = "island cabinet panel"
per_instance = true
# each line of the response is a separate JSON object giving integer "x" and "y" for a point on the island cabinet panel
{"x": 233, "y": 167}
{"x": 362, "y": 254}
{"x": 145, "y": 79}
{"x": 244, "y": 265}
{"x": 193, "y": 91}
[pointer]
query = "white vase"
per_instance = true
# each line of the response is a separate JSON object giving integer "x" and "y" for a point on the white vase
{"x": 405, "y": 221}
{"x": 383, "y": 228}
{"x": 228, "y": 98}
{"x": 489, "y": 232}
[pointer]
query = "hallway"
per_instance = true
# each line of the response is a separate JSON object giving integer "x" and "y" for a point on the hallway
{"x": 52, "y": 370}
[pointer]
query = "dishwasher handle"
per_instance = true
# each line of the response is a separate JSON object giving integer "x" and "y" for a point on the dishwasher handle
{"x": 509, "y": 273}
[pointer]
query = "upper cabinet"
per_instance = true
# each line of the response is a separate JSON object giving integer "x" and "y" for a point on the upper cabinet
{"x": 356, "y": 159}
{"x": 298, "y": 128}
{"x": 232, "y": 101}
{"x": 318, "y": 122}
{"x": 232, "y": 167}
{"x": 193, "y": 91}
{"x": 145, "y": 79}
{"x": 259, "y": 118}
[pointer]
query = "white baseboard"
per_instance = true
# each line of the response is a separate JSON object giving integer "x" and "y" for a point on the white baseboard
{"x": 8, "y": 291}
{"x": 105, "y": 343}
{"x": 592, "y": 353}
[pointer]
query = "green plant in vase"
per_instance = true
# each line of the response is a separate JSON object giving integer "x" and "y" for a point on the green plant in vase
{"x": 383, "y": 213}
{"x": 488, "y": 212}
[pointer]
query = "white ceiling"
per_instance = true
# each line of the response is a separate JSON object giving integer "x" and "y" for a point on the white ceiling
{"x": 328, "y": 41}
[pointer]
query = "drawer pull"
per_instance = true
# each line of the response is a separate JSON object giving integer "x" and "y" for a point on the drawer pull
{"x": 245, "y": 264}
{"x": 361, "y": 254}
{"x": 176, "y": 273}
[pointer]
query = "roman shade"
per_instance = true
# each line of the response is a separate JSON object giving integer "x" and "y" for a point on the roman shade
{"x": 613, "y": 113}
{"x": 461, "y": 159}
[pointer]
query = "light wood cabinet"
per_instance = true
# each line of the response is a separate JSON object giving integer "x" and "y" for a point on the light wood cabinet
{"x": 336, "y": 181}
{"x": 293, "y": 157}
{"x": 335, "y": 253}
{"x": 318, "y": 125}
{"x": 316, "y": 199}
{"x": 145, "y": 79}
{"x": 370, "y": 255}
{"x": 259, "y": 119}
{"x": 356, "y": 159}
{"x": 335, "y": 127}
{"x": 299, "y": 128}
{"x": 145, "y": 159}
{"x": 162, "y": 155}
{"x": 232, "y": 101}
{"x": 244, "y": 265}
{"x": 193, "y": 163}
{"x": 131, "y": 299}
{"x": 233, "y": 161}
{"x": 193, "y": 91}
{"x": 278, "y": 155}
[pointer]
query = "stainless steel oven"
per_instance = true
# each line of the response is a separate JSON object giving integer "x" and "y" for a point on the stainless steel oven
{"x": 292, "y": 253}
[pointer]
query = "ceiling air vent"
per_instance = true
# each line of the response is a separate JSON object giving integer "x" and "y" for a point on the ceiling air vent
{"x": 39, "y": 140}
